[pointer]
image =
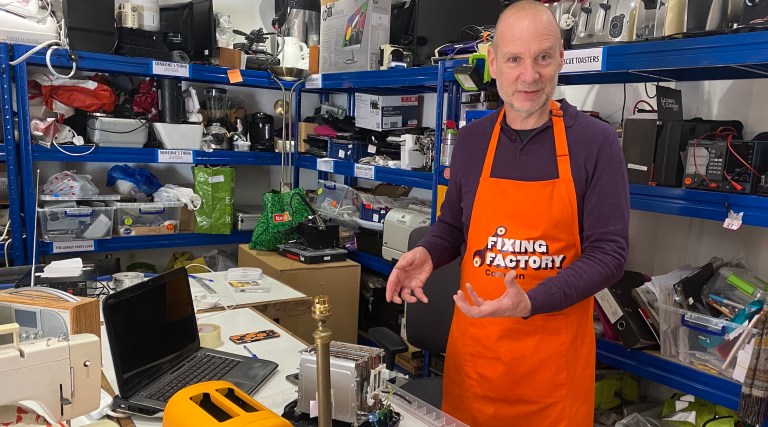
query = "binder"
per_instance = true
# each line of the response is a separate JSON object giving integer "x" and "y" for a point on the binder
{"x": 624, "y": 313}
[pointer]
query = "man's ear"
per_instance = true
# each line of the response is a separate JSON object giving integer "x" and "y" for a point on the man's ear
{"x": 491, "y": 61}
{"x": 562, "y": 56}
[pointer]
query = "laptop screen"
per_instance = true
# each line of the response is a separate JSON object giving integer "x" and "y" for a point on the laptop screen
{"x": 151, "y": 326}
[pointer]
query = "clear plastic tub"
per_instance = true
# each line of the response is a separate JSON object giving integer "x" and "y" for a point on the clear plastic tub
{"x": 75, "y": 223}
{"x": 704, "y": 341}
{"x": 142, "y": 219}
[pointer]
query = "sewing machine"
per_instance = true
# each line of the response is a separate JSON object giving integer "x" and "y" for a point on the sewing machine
{"x": 61, "y": 376}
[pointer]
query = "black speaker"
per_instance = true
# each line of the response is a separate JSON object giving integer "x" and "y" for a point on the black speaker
{"x": 90, "y": 24}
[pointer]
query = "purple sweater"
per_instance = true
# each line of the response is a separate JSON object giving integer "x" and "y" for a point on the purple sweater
{"x": 602, "y": 194}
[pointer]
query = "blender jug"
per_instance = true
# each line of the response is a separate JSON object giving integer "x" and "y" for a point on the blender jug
{"x": 218, "y": 104}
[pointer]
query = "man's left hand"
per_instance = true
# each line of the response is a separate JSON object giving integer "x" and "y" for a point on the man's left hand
{"x": 513, "y": 303}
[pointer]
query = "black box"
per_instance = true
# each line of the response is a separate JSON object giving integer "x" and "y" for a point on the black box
{"x": 639, "y": 145}
{"x": 741, "y": 156}
{"x": 369, "y": 241}
{"x": 313, "y": 256}
{"x": 705, "y": 162}
{"x": 75, "y": 285}
{"x": 314, "y": 237}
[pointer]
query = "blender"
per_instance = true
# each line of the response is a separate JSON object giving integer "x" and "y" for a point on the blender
{"x": 218, "y": 104}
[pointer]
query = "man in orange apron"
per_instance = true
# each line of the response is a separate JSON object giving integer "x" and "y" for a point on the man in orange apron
{"x": 521, "y": 350}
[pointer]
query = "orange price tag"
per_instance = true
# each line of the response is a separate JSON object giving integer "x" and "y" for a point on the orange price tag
{"x": 234, "y": 75}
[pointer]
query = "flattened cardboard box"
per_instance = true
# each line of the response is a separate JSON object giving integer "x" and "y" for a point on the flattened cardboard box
{"x": 351, "y": 33}
{"x": 339, "y": 280}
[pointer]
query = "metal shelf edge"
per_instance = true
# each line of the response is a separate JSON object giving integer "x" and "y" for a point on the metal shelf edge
{"x": 372, "y": 262}
{"x": 161, "y": 241}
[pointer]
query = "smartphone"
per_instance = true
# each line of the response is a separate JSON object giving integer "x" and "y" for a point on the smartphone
{"x": 254, "y": 336}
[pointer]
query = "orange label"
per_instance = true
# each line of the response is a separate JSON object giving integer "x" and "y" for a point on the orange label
{"x": 688, "y": 181}
{"x": 169, "y": 227}
{"x": 234, "y": 75}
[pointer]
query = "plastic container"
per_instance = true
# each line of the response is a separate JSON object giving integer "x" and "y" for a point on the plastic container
{"x": 337, "y": 200}
{"x": 730, "y": 289}
{"x": 702, "y": 340}
{"x": 179, "y": 136}
{"x": 351, "y": 151}
{"x": 142, "y": 219}
{"x": 75, "y": 223}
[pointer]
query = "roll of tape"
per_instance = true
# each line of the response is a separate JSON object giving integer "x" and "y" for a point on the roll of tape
{"x": 210, "y": 335}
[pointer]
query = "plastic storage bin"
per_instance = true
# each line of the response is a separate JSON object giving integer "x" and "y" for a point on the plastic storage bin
{"x": 733, "y": 288}
{"x": 702, "y": 341}
{"x": 75, "y": 223}
{"x": 346, "y": 150}
{"x": 141, "y": 219}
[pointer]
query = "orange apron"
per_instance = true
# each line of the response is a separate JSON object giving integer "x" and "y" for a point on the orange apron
{"x": 522, "y": 372}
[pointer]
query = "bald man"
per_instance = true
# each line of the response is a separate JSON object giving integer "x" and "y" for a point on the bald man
{"x": 538, "y": 208}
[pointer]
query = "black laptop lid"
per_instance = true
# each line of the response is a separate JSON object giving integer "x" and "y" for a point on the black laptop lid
{"x": 151, "y": 327}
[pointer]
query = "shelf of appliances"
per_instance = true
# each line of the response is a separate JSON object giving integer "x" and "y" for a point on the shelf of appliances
{"x": 699, "y": 204}
{"x": 723, "y": 57}
{"x": 8, "y": 154}
{"x": 376, "y": 173}
{"x": 372, "y": 262}
{"x": 152, "y": 155}
{"x": 106, "y": 63}
{"x": 713, "y": 388}
{"x": 155, "y": 242}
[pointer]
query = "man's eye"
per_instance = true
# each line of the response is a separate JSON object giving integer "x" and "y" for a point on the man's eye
{"x": 513, "y": 59}
{"x": 545, "y": 57}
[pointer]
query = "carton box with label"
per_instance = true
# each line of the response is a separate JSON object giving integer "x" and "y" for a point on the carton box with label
{"x": 351, "y": 33}
{"x": 340, "y": 281}
{"x": 387, "y": 112}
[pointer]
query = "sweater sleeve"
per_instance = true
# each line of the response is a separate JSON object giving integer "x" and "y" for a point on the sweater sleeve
{"x": 605, "y": 233}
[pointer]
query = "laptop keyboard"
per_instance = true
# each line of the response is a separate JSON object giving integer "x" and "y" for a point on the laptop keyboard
{"x": 203, "y": 367}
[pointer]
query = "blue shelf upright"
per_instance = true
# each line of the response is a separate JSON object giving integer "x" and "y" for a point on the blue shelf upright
{"x": 10, "y": 158}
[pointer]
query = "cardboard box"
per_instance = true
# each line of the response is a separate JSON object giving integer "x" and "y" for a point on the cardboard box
{"x": 340, "y": 281}
{"x": 230, "y": 58}
{"x": 351, "y": 34}
{"x": 386, "y": 112}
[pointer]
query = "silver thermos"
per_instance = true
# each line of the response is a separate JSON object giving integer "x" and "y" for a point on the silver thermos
{"x": 446, "y": 150}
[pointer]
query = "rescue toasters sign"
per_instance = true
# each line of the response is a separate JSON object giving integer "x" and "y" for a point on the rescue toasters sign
{"x": 581, "y": 60}
{"x": 515, "y": 254}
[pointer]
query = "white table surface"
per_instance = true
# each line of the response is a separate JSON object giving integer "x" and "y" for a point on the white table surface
{"x": 278, "y": 290}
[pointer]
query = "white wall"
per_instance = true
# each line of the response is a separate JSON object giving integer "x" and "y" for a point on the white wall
{"x": 660, "y": 243}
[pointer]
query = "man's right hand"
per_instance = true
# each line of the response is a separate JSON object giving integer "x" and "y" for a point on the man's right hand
{"x": 408, "y": 277}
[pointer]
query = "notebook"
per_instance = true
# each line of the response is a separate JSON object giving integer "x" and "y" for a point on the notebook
{"x": 152, "y": 332}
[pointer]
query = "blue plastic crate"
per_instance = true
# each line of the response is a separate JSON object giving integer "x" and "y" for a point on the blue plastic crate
{"x": 346, "y": 150}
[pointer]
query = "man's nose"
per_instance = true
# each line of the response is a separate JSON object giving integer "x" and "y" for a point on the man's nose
{"x": 529, "y": 73}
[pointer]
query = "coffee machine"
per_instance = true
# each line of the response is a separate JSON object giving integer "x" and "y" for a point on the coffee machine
{"x": 261, "y": 129}
{"x": 217, "y": 101}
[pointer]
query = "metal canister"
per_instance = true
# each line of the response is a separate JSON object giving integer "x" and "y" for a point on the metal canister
{"x": 446, "y": 150}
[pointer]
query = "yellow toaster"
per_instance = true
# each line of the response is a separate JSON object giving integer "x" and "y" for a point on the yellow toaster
{"x": 218, "y": 404}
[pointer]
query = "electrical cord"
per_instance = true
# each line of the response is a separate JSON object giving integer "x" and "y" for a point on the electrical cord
{"x": 645, "y": 86}
{"x": 226, "y": 307}
{"x": 69, "y": 153}
{"x": 642, "y": 101}
{"x": 145, "y": 123}
{"x": 62, "y": 43}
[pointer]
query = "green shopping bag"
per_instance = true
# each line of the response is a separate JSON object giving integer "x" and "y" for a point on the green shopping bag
{"x": 277, "y": 225}
{"x": 216, "y": 188}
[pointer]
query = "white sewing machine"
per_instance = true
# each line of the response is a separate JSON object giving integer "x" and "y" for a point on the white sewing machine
{"x": 62, "y": 376}
{"x": 398, "y": 226}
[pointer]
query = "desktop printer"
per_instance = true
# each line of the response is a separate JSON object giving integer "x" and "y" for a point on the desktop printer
{"x": 398, "y": 226}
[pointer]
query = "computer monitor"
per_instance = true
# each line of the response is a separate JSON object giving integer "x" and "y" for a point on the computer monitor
{"x": 353, "y": 32}
{"x": 189, "y": 27}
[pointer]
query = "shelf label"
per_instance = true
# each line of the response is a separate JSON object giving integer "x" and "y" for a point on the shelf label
{"x": 371, "y": 149}
{"x": 733, "y": 222}
{"x": 166, "y": 68}
{"x": 314, "y": 81}
{"x": 365, "y": 171}
{"x": 234, "y": 76}
{"x": 175, "y": 156}
{"x": 74, "y": 246}
{"x": 579, "y": 60}
{"x": 325, "y": 165}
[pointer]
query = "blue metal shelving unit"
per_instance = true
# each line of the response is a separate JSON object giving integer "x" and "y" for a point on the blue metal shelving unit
{"x": 150, "y": 155}
{"x": 99, "y": 62}
{"x": 383, "y": 174}
{"x": 377, "y": 264}
{"x": 162, "y": 241}
{"x": 714, "y": 388}
{"x": 10, "y": 158}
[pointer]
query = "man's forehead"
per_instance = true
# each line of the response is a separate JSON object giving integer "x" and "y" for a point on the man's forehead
{"x": 526, "y": 43}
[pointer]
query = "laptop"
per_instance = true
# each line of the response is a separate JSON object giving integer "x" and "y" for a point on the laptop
{"x": 152, "y": 332}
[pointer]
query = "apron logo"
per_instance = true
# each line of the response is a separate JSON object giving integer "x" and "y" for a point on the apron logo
{"x": 501, "y": 252}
